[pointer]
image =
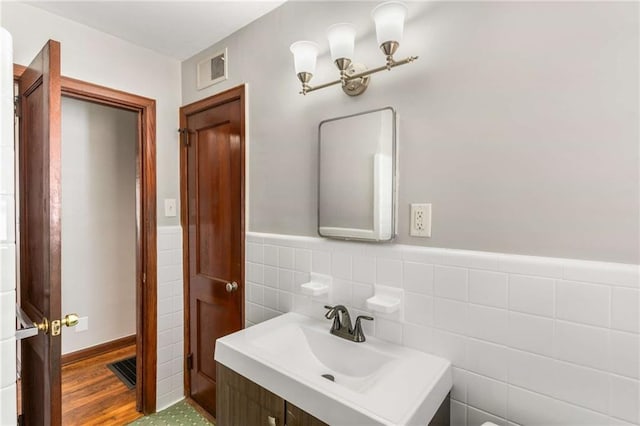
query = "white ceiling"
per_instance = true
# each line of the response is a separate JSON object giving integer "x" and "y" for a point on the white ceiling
{"x": 178, "y": 29}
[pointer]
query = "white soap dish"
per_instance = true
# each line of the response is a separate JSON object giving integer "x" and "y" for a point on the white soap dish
{"x": 384, "y": 304}
{"x": 314, "y": 288}
{"x": 386, "y": 300}
{"x": 317, "y": 286}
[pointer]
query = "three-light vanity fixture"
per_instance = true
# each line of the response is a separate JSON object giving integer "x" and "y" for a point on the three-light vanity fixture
{"x": 354, "y": 78}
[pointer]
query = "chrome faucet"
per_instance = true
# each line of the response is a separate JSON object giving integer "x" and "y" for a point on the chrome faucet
{"x": 341, "y": 326}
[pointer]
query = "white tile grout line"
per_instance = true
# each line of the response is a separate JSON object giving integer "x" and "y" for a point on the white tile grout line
{"x": 610, "y": 316}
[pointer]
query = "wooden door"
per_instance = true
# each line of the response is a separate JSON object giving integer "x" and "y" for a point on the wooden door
{"x": 213, "y": 166}
{"x": 39, "y": 176}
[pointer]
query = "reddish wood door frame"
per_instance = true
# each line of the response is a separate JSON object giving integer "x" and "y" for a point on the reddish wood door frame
{"x": 146, "y": 228}
{"x": 236, "y": 93}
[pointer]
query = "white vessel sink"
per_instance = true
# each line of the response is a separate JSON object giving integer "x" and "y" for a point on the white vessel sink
{"x": 375, "y": 382}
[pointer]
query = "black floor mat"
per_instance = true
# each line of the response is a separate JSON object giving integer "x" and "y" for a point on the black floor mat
{"x": 125, "y": 370}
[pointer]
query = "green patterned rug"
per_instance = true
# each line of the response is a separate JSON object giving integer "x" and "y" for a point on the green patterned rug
{"x": 180, "y": 414}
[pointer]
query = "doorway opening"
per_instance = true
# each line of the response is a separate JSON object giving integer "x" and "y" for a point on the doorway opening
{"x": 142, "y": 273}
{"x": 98, "y": 262}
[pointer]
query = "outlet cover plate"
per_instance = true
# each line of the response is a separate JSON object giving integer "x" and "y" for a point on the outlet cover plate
{"x": 420, "y": 220}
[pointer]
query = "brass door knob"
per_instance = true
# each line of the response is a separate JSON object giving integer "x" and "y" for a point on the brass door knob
{"x": 231, "y": 287}
{"x": 70, "y": 320}
{"x": 43, "y": 326}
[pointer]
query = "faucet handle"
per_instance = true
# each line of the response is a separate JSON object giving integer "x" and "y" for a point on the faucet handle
{"x": 358, "y": 334}
{"x": 331, "y": 311}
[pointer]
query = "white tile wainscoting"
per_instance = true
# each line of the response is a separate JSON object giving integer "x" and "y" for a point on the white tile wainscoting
{"x": 533, "y": 341}
{"x": 170, "y": 317}
{"x": 8, "y": 412}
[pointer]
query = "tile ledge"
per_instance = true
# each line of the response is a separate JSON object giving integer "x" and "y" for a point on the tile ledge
{"x": 557, "y": 261}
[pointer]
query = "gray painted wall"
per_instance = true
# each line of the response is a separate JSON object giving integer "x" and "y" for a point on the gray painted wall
{"x": 98, "y": 221}
{"x": 519, "y": 122}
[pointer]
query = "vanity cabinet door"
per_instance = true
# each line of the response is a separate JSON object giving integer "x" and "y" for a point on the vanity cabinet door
{"x": 298, "y": 417}
{"x": 240, "y": 402}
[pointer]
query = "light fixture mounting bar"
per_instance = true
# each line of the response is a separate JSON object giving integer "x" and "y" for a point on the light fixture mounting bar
{"x": 387, "y": 67}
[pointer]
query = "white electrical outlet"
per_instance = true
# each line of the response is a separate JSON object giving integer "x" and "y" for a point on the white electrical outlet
{"x": 83, "y": 324}
{"x": 420, "y": 220}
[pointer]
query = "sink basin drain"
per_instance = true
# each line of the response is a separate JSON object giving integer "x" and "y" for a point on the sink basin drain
{"x": 329, "y": 377}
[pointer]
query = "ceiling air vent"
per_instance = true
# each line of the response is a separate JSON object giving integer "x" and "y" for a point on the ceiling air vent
{"x": 212, "y": 70}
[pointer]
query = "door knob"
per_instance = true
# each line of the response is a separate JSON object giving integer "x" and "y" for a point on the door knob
{"x": 43, "y": 326}
{"x": 231, "y": 287}
{"x": 70, "y": 320}
{"x": 272, "y": 421}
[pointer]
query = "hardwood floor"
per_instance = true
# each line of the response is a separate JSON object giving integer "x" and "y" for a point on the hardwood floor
{"x": 93, "y": 395}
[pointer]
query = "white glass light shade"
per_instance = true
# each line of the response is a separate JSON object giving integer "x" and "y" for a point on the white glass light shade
{"x": 305, "y": 54}
{"x": 341, "y": 40}
{"x": 389, "y": 18}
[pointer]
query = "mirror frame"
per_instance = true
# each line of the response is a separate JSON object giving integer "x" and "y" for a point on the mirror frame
{"x": 394, "y": 176}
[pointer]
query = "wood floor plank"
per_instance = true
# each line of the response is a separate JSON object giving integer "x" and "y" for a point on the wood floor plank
{"x": 93, "y": 395}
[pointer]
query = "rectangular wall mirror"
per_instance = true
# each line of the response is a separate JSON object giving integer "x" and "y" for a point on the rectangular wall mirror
{"x": 357, "y": 176}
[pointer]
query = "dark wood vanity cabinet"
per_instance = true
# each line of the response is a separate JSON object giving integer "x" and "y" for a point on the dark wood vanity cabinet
{"x": 240, "y": 402}
{"x": 297, "y": 417}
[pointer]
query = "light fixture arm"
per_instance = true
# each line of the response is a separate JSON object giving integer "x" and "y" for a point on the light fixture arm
{"x": 391, "y": 63}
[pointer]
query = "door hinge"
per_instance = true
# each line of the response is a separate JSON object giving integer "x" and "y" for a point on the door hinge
{"x": 144, "y": 277}
{"x": 184, "y": 135}
{"x": 16, "y": 106}
{"x": 189, "y": 361}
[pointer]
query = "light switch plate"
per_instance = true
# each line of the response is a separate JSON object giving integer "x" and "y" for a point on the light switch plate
{"x": 420, "y": 220}
{"x": 170, "y": 207}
